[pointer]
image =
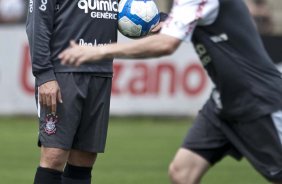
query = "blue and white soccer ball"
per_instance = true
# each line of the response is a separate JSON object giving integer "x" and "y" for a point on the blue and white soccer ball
{"x": 137, "y": 17}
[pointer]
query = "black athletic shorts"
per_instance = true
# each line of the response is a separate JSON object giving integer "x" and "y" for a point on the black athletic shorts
{"x": 81, "y": 121}
{"x": 259, "y": 141}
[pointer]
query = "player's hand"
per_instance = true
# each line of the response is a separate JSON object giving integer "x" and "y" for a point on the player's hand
{"x": 76, "y": 55}
{"x": 157, "y": 28}
{"x": 163, "y": 17}
{"x": 49, "y": 95}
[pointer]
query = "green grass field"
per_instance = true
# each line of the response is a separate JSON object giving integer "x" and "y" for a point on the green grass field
{"x": 138, "y": 152}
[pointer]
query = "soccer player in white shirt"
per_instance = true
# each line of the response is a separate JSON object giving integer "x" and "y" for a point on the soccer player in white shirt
{"x": 243, "y": 116}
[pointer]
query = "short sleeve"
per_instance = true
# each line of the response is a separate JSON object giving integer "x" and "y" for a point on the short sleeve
{"x": 187, "y": 14}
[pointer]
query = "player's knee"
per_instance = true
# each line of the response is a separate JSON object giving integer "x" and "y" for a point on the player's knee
{"x": 176, "y": 174}
{"x": 81, "y": 158}
{"x": 172, "y": 172}
{"x": 183, "y": 175}
{"x": 54, "y": 159}
{"x": 52, "y": 162}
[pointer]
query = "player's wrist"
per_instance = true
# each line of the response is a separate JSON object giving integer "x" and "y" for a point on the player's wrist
{"x": 44, "y": 77}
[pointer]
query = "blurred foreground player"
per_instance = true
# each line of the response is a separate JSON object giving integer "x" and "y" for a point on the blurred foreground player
{"x": 243, "y": 116}
{"x": 74, "y": 130}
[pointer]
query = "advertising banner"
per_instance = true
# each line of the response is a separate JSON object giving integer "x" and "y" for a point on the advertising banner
{"x": 173, "y": 85}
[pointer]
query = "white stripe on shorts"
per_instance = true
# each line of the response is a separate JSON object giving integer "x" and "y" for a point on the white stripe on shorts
{"x": 277, "y": 120}
{"x": 38, "y": 104}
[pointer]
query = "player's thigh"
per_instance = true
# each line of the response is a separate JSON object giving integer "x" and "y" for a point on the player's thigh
{"x": 58, "y": 130}
{"x": 206, "y": 137}
{"x": 92, "y": 131}
{"x": 260, "y": 141}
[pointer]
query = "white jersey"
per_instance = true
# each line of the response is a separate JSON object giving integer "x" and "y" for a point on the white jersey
{"x": 187, "y": 14}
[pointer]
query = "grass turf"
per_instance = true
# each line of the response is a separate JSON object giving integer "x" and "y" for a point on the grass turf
{"x": 138, "y": 151}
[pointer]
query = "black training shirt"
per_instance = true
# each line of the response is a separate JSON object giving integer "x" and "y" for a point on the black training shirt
{"x": 229, "y": 46}
{"x": 51, "y": 24}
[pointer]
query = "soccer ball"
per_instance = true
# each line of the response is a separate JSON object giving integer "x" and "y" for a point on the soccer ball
{"x": 137, "y": 17}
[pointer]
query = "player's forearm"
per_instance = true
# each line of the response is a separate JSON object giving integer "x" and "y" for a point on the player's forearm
{"x": 152, "y": 46}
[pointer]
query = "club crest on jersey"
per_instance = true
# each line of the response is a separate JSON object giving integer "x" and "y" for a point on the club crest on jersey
{"x": 50, "y": 124}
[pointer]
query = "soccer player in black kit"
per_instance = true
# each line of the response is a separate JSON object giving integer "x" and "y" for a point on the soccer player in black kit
{"x": 243, "y": 116}
{"x": 73, "y": 103}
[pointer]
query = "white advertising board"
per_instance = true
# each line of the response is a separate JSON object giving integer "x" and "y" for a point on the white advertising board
{"x": 174, "y": 85}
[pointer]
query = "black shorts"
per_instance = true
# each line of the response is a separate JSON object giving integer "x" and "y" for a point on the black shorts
{"x": 259, "y": 141}
{"x": 81, "y": 121}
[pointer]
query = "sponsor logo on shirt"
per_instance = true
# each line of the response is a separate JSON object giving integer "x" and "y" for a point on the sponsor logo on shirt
{"x": 82, "y": 42}
{"x": 43, "y": 6}
{"x": 30, "y": 6}
{"x": 219, "y": 38}
{"x": 203, "y": 54}
{"x": 101, "y": 9}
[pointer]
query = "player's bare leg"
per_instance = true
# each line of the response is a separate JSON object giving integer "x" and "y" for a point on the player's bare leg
{"x": 53, "y": 158}
{"x": 79, "y": 167}
{"x": 52, "y": 163}
{"x": 82, "y": 158}
{"x": 187, "y": 167}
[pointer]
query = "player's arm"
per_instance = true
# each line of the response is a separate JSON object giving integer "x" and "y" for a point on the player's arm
{"x": 177, "y": 28}
{"x": 151, "y": 46}
{"x": 39, "y": 30}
